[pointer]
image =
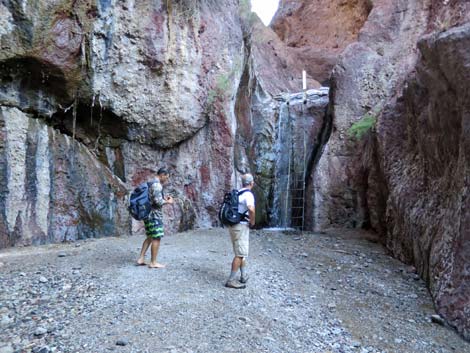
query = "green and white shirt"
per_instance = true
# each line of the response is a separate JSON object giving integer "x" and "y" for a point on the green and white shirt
{"x": 157, "y": 200}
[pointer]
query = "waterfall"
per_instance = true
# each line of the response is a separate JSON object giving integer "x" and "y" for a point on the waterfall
{"x": 281, "y": 184}
{"x": 293, "y": 149}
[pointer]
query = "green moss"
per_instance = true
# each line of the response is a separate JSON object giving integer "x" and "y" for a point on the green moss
{"x": 361, "y": 127}
{"x": 221, "y": 89}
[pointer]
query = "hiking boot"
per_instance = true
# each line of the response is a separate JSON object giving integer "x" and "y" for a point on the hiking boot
{"x": 244, "y": 279}
{"x": 234, "y": 284}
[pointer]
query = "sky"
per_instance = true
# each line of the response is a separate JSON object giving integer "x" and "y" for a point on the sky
{"x": 265, "y": 9}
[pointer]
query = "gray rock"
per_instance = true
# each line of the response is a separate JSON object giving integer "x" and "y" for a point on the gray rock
{"x": 43, "y": 279}
{"x": 7, "y": 349}
{"x": 6, "y": 320}
{"x": 43, "y": 349}
{"x": 356, "y": 344}
{"x": 437, "y": 319}
{"x": 122, "y": 342}
{"x": 40, "y": 331}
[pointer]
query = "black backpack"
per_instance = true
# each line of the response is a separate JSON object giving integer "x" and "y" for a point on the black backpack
{"x": 139, "y": 201}
{"x": 228, "y": 212}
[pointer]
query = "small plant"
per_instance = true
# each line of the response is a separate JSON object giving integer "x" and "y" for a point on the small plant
{"x": 361, "y": 127}
{"x": 222, "y": 87}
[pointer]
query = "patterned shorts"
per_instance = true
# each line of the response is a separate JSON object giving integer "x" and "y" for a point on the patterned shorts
{"x": 153, "y": 228}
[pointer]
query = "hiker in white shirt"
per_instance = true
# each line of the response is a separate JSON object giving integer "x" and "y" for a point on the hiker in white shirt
{"x": 240, "y": 233}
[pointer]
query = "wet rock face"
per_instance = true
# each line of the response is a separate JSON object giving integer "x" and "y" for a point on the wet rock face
{"x": 122, "y": 89}
{"x": 268, "y": 135}
{"x": 52, "y": 188}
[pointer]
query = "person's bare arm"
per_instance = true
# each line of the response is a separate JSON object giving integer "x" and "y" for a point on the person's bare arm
{"x": 252, "y": 215}
{"x": 169, "y": 200}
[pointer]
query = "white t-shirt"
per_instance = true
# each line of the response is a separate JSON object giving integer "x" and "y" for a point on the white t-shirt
{"x": 244, "y": 200}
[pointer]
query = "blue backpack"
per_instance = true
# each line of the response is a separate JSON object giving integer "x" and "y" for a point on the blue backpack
{"x": 139, "y": 201}
{"x": 228, "y": 211}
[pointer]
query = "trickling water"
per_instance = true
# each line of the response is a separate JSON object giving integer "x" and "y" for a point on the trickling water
{"x": 99, "y": 124}
{"x": 74, "y": 123}
{"x": 91, "y": 110}
{"x": 280, "y": 217}
{"x": 292, "y": 158}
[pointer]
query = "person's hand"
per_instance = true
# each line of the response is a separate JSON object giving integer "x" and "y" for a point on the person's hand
{"x": 169, "y": 199}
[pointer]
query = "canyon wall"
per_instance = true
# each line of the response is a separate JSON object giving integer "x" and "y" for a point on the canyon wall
{"x": 407, "y": 176}
{"x": 95, "y": 96}
{"x": 109, "y": 91}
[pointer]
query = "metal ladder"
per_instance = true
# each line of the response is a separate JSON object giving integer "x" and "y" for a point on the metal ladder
{"x": 297, "y": 172}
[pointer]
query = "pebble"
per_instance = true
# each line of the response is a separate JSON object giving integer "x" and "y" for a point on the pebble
{"x": 6, "y": 320}
{"x": 40, "y": 331}
{"x": 437, "y": 319}
{"x": 7, "y": 349}
{"x": 43, "y": 279}
{"x": 61, "y": 254}
{"x": 356, "y": 344}
{"x": 122, "y": 342}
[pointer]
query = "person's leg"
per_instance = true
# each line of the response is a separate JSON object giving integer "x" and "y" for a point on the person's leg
{"x": 244, "y": 275}
{"x": 145, "y": 246}
{"x": 245, "y": 245}
{"x": 236, "y": 263}
{"x": 154, "y": 252}
{"x": 237, "y": 260}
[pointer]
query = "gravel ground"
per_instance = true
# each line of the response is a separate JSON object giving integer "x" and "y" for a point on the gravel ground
{"x": 333, "y": 292}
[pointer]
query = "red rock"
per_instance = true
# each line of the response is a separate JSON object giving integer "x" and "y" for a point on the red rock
{"x": 318, "y": 31}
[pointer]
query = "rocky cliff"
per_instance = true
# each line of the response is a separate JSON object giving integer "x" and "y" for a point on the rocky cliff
{"x": 317, "y": 32}
{"x": 125, "y": 88}
{"x": 97, "y": 95}
{"x": 404, "y": 78}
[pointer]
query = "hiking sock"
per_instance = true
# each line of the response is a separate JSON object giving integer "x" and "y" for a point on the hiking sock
{"x": 233, "y": 275}
{"x": 243, "y": 271}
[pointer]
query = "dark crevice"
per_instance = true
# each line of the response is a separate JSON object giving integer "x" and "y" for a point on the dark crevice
{"x": 31, "y": 77}
{"x": 317, "y": 150}
{"x": 98, "y": 129}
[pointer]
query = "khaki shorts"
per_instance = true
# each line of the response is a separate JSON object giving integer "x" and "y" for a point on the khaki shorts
{"x": 240, "y": 234}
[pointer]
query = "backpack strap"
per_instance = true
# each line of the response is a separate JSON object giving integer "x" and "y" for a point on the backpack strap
{"x": 244, "y": 214}
{"x": 151, "y": 182}
{"x": 243, "y": 191}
